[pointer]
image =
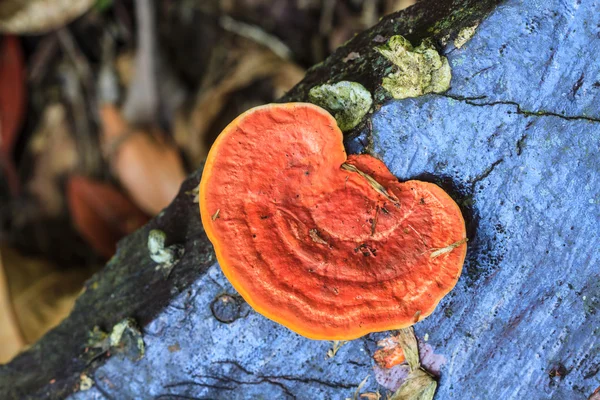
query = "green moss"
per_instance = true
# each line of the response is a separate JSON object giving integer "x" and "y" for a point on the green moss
{"x": 348, "y": 102}
{"x": 419, "y": 70}
{"x": 458, "y": 17}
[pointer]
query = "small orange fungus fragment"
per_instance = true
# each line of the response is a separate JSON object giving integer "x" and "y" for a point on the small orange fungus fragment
{"x": 389, "y": 357}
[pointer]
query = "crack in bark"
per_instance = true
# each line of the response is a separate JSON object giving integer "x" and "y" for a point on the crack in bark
{"x": 521, "y": 144}
{"x": 519, "y": 110}
{"x": 200, "y": 384}
{"x": 485, "y": 173}
{"x": 284, "y": 388}
{"x": 273, "y": 379}
{"x": 169, "y": 396}
{"x": 358, "y": 364}
{"x": 103, "y": 392}
{"x": 481, "y": 71}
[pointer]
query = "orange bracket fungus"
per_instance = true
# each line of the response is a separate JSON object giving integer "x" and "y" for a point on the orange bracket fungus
{"x": 330, "y": 246}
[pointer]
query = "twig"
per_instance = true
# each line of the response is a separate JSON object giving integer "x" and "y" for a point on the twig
{"x": 141, "y": 104}
{"x": 82, "y": 67}
{"x": 39, "y": 60}
{"x": 438, "y": 252}
{"x": 80, "y": 91}
{"x": 256, "y": 34}
{"x": 326, "y": 21}
{"x": 378, "y": 187}
{"x": 87, "y": 146}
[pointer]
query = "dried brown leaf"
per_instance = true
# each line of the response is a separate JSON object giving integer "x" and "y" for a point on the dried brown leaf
{"x": 418, "y": 386}
{"x": 41, "y": 293}
{"x": 234, "y": 67}
{"x": 12, "y": 102}
{"x": 407, "y": 340}
{"x": 48, "y": 301}
{"x": 12, "y": 80}
{"x": 392, "y": 6}
{"x": 39, "y": 16}
{"x": 150, "y": 169}
{"x": 55, "y": 154}
{"x": 101, "y": 213}
{"x": 10, "y": 333}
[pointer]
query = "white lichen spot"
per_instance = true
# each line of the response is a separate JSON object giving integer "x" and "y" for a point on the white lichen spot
{"x": 85, "y": 382}
{"x": 465, "y": 35}
{"x": 351, "y": 57}
{"x": 195, "y": 192}
{"x": 117, "y": 332}
{"x": 166, "y": 257}
{"x": 445, "y": 39}
{"x": 419, "y": 70}
{"x": 129, "y": 327}
{"x": 348, "y": 102}
{"x": 156, "y": 246}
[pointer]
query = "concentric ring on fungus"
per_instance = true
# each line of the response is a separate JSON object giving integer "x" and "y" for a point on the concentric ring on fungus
{"x": 332, "y": 247}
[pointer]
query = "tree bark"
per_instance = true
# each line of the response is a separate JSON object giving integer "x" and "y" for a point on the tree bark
{"x": 514, "y": 141}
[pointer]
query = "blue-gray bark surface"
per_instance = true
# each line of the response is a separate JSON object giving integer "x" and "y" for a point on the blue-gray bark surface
{"x": 515, "y": 141}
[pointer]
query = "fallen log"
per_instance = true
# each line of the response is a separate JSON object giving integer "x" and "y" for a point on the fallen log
{"x": 514, "y": 140}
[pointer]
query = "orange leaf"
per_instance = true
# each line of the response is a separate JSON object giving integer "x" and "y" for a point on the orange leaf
{"x": 150, "y": 169}
{"x": 101, "y": 213}
{"x": 12, "y": 101}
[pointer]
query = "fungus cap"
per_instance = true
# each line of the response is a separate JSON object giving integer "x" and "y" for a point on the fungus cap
{"x": 330, "y": 246}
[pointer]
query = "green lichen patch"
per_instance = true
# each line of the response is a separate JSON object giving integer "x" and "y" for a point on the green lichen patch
{"x": 464, "y": 36}
{"x": 126, "y": 338}
{"x": 85, "y": 382}
{"x": 165, "y": 257}
{"x": 98, "y": 339}
{"x": 348, "y": 102}
{"x": 419, "y": 70}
